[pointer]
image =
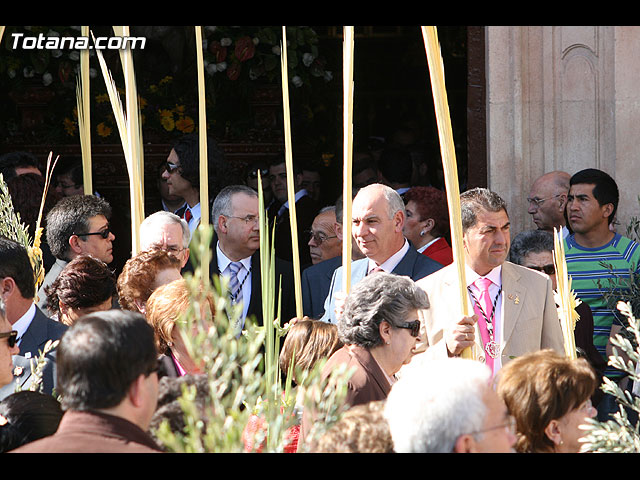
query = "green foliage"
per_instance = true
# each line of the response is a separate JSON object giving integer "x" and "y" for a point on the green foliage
{"x": 619, "y": 435}
{"x": 10, "y": 224}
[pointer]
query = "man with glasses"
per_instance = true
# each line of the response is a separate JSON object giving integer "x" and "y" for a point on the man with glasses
{"x": 511, "y": 308}
{"x": 77, "y": 225}
{"x": 108, "y": 382}
{"x": 166, "y": 231}
{"x": 34, "y": 329}
{"x": 8, "y": 347}
{"x": 547, "y": 200}
{"x": 534, "y": 249}
{"x": 182, "y": 174}
{"x": 235, "y": 218}
{"x": 448, "y": 406}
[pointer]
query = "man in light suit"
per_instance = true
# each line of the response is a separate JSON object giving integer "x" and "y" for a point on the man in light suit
{"x": 521, "y": 314}
{"x": 17, "y": 287}
{"x": 378, "y": 215}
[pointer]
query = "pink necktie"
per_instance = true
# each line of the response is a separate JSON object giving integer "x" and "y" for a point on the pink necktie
{"x": 483, "y": 285}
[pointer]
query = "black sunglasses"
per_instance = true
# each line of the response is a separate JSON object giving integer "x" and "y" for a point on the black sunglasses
{"x": 171, "y": 167}
{"x": 254, "y": 173}
{"x": 549, "y": 269}
{"x": 414, "y": 326}
{"x": 103, "y": 233}
{"x": 12, "y": 337}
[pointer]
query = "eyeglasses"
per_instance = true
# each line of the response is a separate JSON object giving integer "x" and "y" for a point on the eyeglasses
{"x": 539, "y": 201}
{"x": 103, "y": 233}
{"x": 319, "y": 237}
{"x": 248, "y": 219}
{"x": 12, "y": 337}
{"x": 171, "y": 167}
{"x": 509, "y": 426}
{"x": 414, "y": 326}
{"x": 549, "y": 269}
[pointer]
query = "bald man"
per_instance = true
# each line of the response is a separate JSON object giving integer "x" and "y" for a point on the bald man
{"x": 548, "y": 199}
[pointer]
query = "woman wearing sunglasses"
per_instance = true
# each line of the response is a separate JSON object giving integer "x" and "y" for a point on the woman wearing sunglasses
{"x": 534, "y": 249}
{"x": 379, "y": 328}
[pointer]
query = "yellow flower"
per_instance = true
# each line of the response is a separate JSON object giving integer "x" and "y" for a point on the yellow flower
{"x": 179, "y": 109}
{"x": 70, "y": 126}
{"x": 185, "y": 124}
{"x": 103, "y": 130}
{"x": 166, "y": 79}
{"x": 102, "y": 98}
{"x": 166, "y": 119}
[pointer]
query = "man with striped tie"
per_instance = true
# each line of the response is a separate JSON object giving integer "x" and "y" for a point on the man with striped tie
{"x": 599, "y": 259}
{"x": 234, "y": 216}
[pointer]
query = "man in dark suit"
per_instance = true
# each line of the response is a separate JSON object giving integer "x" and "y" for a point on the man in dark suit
{"x": 236, "y": 256}
{"x": 378, "y": 216}
{"x": 306, "y": 210}
{"x": 17, "y": 287}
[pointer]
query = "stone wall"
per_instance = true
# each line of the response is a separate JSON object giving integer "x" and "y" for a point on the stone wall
{"x": 562, "y": 98}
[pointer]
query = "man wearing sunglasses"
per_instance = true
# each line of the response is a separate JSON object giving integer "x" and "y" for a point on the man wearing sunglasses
{"x": 534, "y": 249}
{"x": 8, "y": 347}
{"x": 33, "y": 327}
{"x": 511, "y": 308}
{"x": 77, "y": 225}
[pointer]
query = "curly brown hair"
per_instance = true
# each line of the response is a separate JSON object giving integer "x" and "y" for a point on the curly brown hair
{"x": 138, "y": 275}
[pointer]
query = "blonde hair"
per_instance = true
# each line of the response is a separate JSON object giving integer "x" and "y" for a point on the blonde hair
{"x": 164, "y": 307}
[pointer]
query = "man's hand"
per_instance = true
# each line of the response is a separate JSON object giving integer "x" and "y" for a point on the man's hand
{"x": 461, "y": 335}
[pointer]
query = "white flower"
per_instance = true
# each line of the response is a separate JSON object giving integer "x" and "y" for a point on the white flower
{"x": 93, "y": 73}
{"x": 276, "y": 49}
{"x": 28, "y": 72}
{"x": 297, "y": 81}
{"x": 56, "y": 53}
{"x": 221, "y": 67}
{"x": 211, "y": 68}
{"x": 255, "y": 40}
{"x": 307, "y": 59}
{"x": 210, "y": 29}
{"x": 47, "y": 79}
{"x": 225, "y": 42}
{"x": 328, "y": 76}
{"x": 74, "y": 55}
{"x": 11, "y": 73}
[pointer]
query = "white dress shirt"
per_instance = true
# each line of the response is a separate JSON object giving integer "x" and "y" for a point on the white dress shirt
{"x": 392, "y": 262}
{"x": 23, "y": 323}
{"x": 223, "y": 267}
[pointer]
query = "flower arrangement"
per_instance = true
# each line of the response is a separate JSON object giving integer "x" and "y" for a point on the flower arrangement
{"x": 238, "y": 60}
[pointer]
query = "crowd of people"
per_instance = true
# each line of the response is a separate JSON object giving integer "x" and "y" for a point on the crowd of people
{"x": 118, "y": 359}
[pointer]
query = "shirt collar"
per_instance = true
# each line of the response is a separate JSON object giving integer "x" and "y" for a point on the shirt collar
{"x": 392, "y": 262}
{"x": 494, "y": 275}
{"x": 223, "y": 260}
{"x": 22, "y": 324}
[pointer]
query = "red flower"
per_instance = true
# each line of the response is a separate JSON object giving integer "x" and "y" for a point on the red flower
{"x": 233, "y": 72}
{"x": 218, "y": 51}
{"x": 245, "y": 49}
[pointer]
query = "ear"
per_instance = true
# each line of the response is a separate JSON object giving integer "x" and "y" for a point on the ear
{"x": 75, "y": 244}
{"x": 552, "y": 431}
{"x": 7, "y": 287}
{"x": 429, "y": 223}
{"x": 141, "y": 306}
{"x": 385, "y": 332}
{"x": 465, "y": 444}
{"x": 398, "y": 219}
{"x": 186, "y": 257}
{"x": 338, "y": 228}
{"x": 607, "y": 210}
{"x": 136, "y": 390}
{"x": 563, "y": 201}
{"x": 222, "y": 224}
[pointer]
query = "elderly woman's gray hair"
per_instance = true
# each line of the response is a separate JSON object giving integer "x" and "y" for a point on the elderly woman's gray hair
{"x": 376, "y": 298}
{"x": 530, "y": 241}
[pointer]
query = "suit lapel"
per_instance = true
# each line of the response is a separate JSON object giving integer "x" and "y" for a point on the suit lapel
{"x": 405, "y": 266}
{"x": 513, "y": 297}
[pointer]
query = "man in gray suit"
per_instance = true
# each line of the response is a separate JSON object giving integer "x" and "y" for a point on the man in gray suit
{"x": 378, "y": 216}
{"x": 17, "y": 288}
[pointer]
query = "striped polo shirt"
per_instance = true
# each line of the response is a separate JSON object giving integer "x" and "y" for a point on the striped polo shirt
{"x": 595, "y": 271}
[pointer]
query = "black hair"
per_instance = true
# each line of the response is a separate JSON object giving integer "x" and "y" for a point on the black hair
{"x": 605, "y": 189}
{"x": 100, "y": 356}
{"x": 12, "y": 160}
{"x": 15, "y": 263}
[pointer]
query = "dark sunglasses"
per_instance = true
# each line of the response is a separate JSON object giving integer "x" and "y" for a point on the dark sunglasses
{"x": 103, "y": 233}
{"x": 414, "y": 326}
{"x": 548, "y": 269}
{"x": 171, "y": 167}
{"x": 12, "y": 337}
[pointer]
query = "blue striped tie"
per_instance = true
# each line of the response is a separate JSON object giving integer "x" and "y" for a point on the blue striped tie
{"x": 235, "y": 289}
